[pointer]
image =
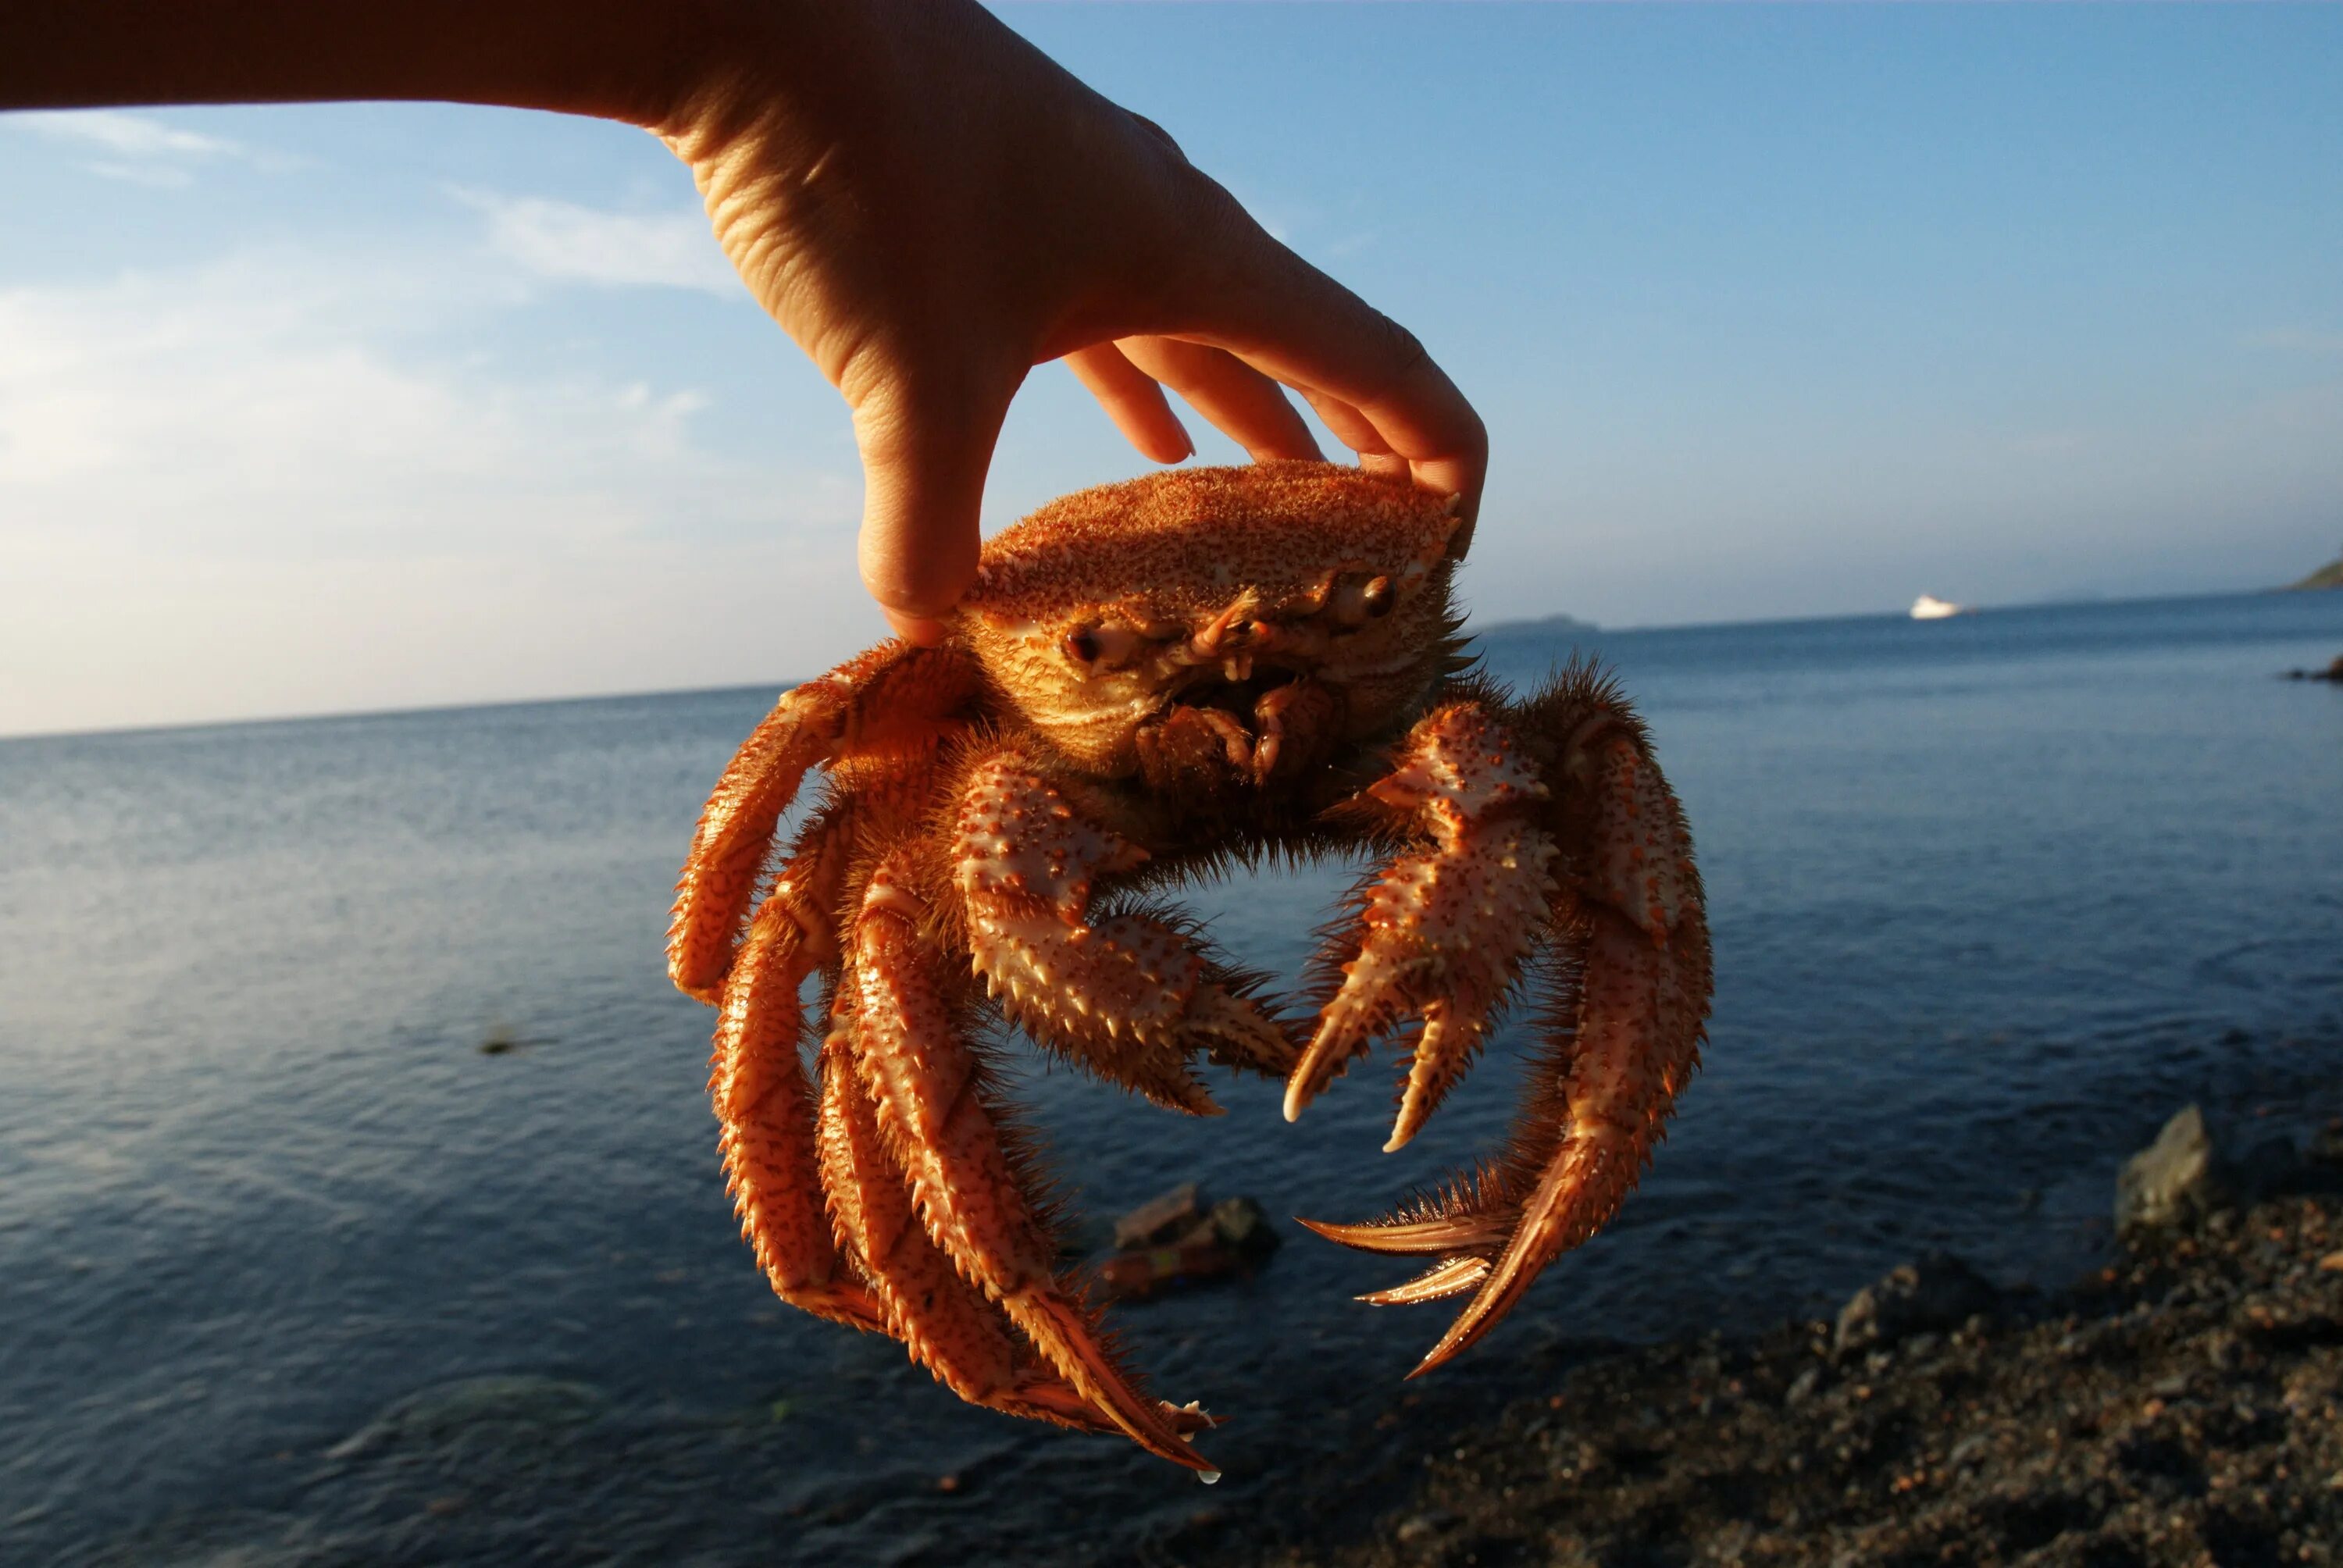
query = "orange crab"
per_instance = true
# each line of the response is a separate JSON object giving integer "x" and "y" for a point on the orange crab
{"x": 1152, "y": 681}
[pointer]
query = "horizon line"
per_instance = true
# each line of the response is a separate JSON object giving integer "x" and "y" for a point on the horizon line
{"x": 426, "y": 709}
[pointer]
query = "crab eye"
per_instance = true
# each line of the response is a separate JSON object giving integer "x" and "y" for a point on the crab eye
{"x": 1096, "y": 649}
{"x": 1357, "y": 599}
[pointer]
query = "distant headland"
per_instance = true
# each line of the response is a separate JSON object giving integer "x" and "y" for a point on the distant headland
{"x": 2329, "y": 575}
{"x": 1542, "y": 625}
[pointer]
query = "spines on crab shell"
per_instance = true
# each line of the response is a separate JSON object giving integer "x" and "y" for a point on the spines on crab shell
{"x": 1259, "y": 522}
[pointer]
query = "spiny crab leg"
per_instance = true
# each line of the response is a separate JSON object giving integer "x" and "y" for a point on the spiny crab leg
{"x": 1642, "y": 1000}
{"x": 762, "y": 1103}
{"x": 947, "y": 1326}
{"x": 1129, "y": 997}
{"x": 966, "y": 1180}
{"x": 1441, "y": 934}
{"x": 1623, "y": 1025}
{"x": 891, "y": 696}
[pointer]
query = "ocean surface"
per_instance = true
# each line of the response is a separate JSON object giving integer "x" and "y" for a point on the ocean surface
{"x": 293, "y": 1270}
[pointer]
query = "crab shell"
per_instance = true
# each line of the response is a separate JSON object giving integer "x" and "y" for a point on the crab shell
{"x": 1097, "y": 614}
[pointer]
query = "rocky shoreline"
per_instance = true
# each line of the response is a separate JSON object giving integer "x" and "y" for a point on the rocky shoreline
{"x": 2182, "y": 1405}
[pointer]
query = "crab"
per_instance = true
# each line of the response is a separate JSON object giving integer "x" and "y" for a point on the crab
{"x": 1153, "y": 682}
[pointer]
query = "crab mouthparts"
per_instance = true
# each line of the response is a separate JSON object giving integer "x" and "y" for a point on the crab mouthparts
{"x": 1248, "y": 715}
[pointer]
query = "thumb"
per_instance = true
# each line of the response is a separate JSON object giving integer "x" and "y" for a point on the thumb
{"x": 925, "y": 454}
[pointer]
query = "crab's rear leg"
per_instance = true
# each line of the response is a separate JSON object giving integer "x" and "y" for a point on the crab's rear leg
{"x": 1628, "y": 991}
{"x": 968, "y": 1180}
{"x": 943, "y": 1319}
{"x": 1128, "y": 996}
{"x": 764, "y": 1107}
{"x": 891, "y": 696}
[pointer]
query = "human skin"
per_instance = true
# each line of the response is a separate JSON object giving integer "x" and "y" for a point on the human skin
{"x": 929, "y": 205}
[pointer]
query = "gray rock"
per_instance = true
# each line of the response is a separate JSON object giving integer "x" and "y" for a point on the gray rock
{"x": 1935, "y": 1293}
{"x": 2180, "y": 1179}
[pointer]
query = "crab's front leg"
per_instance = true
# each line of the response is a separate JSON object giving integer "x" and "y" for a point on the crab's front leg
{"x": 1126, "y": 996}
{"x": 1441, "y": 933}
{"x": 1629, "y": 962}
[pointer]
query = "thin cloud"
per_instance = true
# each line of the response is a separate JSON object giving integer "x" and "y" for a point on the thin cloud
{"x": 125, "y": 134}
{"x": 141, "y": 149}
{"x": 251, "y": 488}
{"x": 565, "y": 241}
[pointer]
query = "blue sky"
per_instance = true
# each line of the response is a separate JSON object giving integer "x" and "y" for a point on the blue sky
{"x": 1771, "y": 313}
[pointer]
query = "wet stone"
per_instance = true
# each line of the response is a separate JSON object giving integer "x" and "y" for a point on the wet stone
{"x": 1935, "y": 1293}
{"x": 2178, "y": 1181}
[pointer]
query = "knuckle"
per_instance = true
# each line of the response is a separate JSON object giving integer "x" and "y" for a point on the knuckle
{"x": 1404, "y": 350}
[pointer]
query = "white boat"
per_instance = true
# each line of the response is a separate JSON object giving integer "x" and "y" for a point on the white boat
{"x": 1928, "y": 607}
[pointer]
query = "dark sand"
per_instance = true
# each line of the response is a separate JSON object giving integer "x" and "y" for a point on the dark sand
{"x": 2183, "y": 1406}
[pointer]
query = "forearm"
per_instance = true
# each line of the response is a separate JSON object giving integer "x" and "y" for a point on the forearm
{"x": 632, "y": 60}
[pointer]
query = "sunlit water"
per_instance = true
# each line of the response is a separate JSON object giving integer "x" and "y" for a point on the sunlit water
{"x": 1991, "y": 897}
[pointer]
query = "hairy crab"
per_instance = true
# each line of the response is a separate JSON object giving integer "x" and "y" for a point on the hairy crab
{"x": 1150, "y": 682}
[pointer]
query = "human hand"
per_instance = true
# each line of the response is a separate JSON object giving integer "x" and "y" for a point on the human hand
{"x": 930, "y": 208}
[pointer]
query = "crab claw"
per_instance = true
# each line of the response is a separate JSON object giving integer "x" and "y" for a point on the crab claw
{"x": 1627, "y": 990}
{"x": 1441, "y": 935}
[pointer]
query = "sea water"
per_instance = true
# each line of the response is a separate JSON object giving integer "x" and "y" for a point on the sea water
{"x": 359, "y": 1197}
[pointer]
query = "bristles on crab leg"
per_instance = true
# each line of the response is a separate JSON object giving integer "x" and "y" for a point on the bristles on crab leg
{"x": 1434, "y": 1233}
{"x": 1625, "y": 1025}
{"x": 763, "y": 1105}
{"x": 891, "y": 696}
{"x": 945, "y": 1324}
{"x": 1129, "y": 997}
{"x": 927, "y": 1081}
{"x": 1637, "y": 1044}
{"x": 1452, "y": 1278}
{"x": 1441, "y": 934}
{"x": 1630, "y": 982}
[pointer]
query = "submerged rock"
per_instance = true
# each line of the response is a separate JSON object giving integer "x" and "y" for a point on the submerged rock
{"x": 1173, "y": 1240}
{"x": 501, "y": 1410}
{"x": 1935, "y": 1293}
{"x": 1161, "y": 1220}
